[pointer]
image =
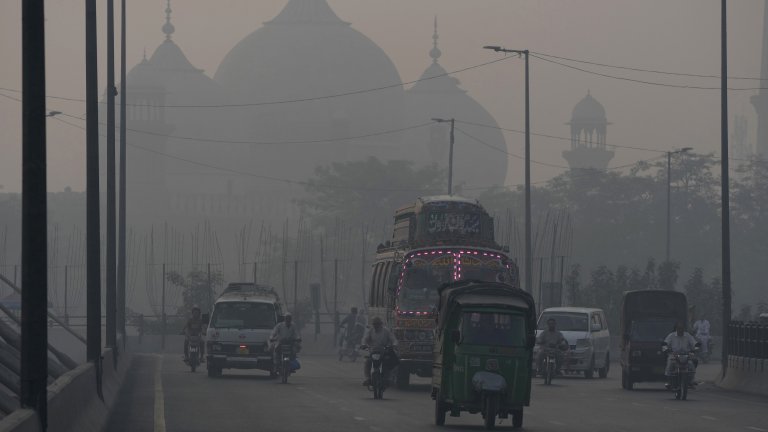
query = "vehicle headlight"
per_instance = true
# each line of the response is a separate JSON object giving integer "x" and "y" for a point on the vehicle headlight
{"x": 583, "y": 343}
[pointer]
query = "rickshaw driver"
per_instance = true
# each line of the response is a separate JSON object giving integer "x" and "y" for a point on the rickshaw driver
{"x": 549, "y": 339}
{"x": 377, "y": 336}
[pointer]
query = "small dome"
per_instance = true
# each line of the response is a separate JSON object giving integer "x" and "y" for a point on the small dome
{"x": 589, "y": 110}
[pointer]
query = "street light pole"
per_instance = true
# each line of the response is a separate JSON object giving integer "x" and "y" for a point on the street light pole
{"x": 669, "y": 196}
{"x": 121, "y": 252}
{"x": 725, "y": 190}
{"x": 111, "y": 267}
{"x": 450, "y": 152}
{"x": 528, "y": 247}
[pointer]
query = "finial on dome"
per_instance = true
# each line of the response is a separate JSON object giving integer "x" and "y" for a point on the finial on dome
{"x": 435, "y": 52}
{"x": 168, "y": 28}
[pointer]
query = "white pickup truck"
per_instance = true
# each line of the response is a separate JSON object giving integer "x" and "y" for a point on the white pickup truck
{"x": 238, "y": 332}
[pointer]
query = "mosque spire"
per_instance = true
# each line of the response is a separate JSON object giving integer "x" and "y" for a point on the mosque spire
{"x": 435, "y": 52}
{"x": 168, "y": 28}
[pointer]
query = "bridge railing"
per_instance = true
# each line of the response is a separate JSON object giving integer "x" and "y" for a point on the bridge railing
{"x": 748, "y": 339}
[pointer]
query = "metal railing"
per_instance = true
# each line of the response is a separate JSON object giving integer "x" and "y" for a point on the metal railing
{"x": 748, "y": 339}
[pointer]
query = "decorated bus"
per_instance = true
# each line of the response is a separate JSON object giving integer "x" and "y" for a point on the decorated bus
{"x": 435, "y": 241}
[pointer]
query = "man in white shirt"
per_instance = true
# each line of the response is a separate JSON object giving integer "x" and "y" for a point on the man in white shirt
{"x": 701, "y": 331}
{"x": 679, "y": 342}
{"x": 377, "y": 336}
{"x": 284, "y": 331}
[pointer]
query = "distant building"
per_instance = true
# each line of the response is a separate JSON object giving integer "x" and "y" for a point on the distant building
{"x": 588, "y": 136}
{"x": 183, "y": 125}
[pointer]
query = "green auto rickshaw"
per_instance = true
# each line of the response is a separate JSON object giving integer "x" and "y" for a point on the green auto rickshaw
{"x": 483, "y": 351}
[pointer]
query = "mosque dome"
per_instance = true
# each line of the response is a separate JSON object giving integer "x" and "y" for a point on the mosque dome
{"x": 588, "y": 110}
{"x": 439, "y": 95}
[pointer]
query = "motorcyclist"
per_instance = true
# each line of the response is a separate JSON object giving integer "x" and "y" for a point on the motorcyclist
{"x": 355, "y": 327}
{"x": 194, "y": 328}
{"x": 551, "y": 339}
{"x": 701, "y": 332}
{"x": 679, "y": 342}
{"x": 284, "y": 331}
{"x": 377, "y": 337}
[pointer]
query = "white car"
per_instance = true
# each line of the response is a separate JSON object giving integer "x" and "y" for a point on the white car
{"x": 586, "y": 331}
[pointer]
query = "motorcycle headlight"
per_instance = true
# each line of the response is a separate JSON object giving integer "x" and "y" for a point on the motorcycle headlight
{"x": 376, "y": 356}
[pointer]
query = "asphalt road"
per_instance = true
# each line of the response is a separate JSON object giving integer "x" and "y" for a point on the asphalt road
{"x": 327, "y": 395}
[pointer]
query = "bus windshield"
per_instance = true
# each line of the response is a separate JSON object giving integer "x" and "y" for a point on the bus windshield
{"x": 420, "y": 282}
{"x": 486, "y": 268}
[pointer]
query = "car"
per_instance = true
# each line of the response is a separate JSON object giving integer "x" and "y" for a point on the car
{"x": 240, "y": 326}
{"x": 589, "y": 339}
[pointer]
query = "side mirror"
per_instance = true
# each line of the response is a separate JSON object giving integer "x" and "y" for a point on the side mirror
{"x": 456, "y": 336}
{"x": 206, "y": 318}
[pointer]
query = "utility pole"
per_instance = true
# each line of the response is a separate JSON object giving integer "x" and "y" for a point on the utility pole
{"x": 210, "y": 289}
{"x": 528, "y": 246}
{"x": 335, "y": 300}
{"x": 295, "y": 285}
{"x": 121, "y": 251}
{"x": 66, "y": 294}
{"x": 111, "y": 305}
{"x": 93, "y": 225}
{"x": 452, "y": 121}
{"x": 725, "y": 190}
{"x": 162, "y": 313}
{"x": 34, "y": 225}
{"x": 669, "y": 197}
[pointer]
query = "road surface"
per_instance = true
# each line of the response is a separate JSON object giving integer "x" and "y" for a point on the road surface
{"x": 161, "y": 394}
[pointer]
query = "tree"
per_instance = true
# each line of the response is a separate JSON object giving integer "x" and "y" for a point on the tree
{"x": 196, "y": 289}
{"x": 367, "y": 192}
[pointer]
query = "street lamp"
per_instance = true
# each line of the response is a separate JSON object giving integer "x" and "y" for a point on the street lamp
{"x": 450, "y": 152}
{"x": 528, "y": 258}
{"x": 669, "y": 193}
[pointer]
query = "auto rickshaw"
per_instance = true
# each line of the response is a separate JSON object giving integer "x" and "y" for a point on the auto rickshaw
{"x": 483, "y": 351}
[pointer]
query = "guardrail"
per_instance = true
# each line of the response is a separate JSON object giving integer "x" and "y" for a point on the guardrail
{"x": 748, "y": 339}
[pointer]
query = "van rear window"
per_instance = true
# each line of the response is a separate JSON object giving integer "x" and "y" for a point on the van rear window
{"x": 565, "y": 321}
{"x": 243, "y": 315}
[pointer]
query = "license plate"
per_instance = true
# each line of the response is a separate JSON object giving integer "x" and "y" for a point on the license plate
{"x": 243, "y": 350}
{"x": 421, "y": 348}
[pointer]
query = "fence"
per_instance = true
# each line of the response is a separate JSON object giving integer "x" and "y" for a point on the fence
{"x": 748, "y": 339}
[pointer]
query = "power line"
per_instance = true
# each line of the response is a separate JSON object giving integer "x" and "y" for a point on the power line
{"x": 653, "y": 83}
{"x": 250, "y": 174}
{"x": 508, "y": 153}
{"x": 560, "y": 138}
{"x": 306, "y": 99}
{"x": 645, "y": 70}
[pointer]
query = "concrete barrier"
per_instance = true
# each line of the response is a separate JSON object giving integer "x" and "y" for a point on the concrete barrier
{"x": 73, "y": 403}
{"x": 745, "y": 374}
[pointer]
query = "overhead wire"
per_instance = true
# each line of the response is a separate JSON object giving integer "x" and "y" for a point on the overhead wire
{"x": 639, "y": 81}
{"x": 297, "y": 100}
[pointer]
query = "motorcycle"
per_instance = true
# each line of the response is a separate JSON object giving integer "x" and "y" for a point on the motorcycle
{"x": 548, "y": 366}
{"x": 383, "y": 361}
{"x": 348, "y": 342}
{"x": 286, "y": 357}
{"x": 193, "y": 352}
{"x": 682, "y": 372}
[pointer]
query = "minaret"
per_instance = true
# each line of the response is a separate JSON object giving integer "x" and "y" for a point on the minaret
{"x": 168, "y": 28}
{"x": 588, "y": 130}
{"x": 760, "y": 100}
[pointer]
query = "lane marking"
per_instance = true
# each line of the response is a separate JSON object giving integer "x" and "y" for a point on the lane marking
{"x": 757, "y": 429}
{"x": 359, "y": 418}
{"x": 708, "y": 418}
{"x": 557, "y": 423}
{"x": 159, "y": 397}
{"x": 671, "y": 409}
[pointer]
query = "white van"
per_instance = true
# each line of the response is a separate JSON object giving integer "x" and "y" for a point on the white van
{"x": 586, "y": 331}
{"x": 239, "y": 328}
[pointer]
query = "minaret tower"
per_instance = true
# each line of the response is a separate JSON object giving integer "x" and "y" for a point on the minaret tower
{"x": 760, "y": 100}
{"x": 588, "y": 129}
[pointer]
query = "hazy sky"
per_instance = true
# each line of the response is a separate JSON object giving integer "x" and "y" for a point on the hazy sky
{"x": 669, "y": 35}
